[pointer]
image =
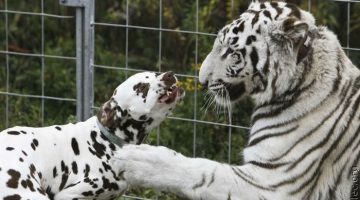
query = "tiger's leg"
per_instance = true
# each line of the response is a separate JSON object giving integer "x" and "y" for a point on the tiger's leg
{"x": 165, "y": 170}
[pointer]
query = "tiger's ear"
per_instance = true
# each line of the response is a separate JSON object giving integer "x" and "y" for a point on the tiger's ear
{"x": 295, "y": 29}
{"x": 290, "y": 30}
{"x": 291, "y": 34}
{"x": 253, "y": 2}
{"x": 297, "y": 32}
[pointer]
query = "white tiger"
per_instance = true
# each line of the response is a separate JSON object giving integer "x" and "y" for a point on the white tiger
{"x": 304, "y": 140}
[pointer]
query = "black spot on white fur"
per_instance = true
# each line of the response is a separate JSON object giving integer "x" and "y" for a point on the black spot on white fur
{"x": 13, "y": 182}
{"x": 74, "y": 167}
{"x": 13, "y": 197}
{"x": 97, "y": 149}
{"x": 34, "y": 144}
{"x": 142, "y": 88}
{"x": 13, "y": 132}
{"x": 55, "y": 172}
{"x": 75, "y": 146}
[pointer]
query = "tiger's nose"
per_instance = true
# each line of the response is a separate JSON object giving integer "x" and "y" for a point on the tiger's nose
{"x": 169, "y": 78}
{"x": 205, "y": 84}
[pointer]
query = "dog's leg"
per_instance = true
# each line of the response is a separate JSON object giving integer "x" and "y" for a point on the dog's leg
{"x": 91, "y": 186}
{"x": 32, "y": 193}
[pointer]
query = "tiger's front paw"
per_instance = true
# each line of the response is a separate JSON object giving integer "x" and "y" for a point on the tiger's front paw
{"x": 145, "y": 165}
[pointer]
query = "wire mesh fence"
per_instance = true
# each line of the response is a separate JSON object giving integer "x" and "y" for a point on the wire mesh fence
{"x": 31, "y": 51}
{"x": 38, "y": 59}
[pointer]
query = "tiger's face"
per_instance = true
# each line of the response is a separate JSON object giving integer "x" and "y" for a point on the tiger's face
{"x": 243, "y": 53}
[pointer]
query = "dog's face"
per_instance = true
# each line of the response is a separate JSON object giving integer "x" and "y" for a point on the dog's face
{"x": 143, "y": 97}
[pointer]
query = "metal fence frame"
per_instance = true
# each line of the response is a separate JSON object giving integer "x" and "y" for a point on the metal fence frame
{"x": 85, "y": 13}
{"x": 85, "y": 65}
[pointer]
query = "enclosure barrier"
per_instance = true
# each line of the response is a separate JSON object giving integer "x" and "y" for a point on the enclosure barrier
{"x": 84, "y": 56}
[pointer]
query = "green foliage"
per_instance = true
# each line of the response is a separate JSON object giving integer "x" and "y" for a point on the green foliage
{"x": 177, "y": 53}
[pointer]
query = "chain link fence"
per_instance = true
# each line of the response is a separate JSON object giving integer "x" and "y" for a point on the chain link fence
{"x": 60, "y": 61}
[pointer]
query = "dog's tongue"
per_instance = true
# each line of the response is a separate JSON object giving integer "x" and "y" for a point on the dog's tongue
{"x": 164, "y": 98}
{"x": 171, "y": 97}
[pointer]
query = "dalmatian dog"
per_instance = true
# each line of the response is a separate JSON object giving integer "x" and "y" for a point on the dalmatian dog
{"x": 73, "y": 161}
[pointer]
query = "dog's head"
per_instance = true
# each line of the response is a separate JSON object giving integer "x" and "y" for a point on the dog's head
{"x": 141, "y": 103}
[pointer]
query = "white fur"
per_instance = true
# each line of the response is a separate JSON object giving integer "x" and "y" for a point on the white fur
{"x": 317, "y": 175}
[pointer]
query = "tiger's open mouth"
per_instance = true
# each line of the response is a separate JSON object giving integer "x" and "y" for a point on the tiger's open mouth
{"x": 172, "y": 94}
{"x": 235, "y": 91}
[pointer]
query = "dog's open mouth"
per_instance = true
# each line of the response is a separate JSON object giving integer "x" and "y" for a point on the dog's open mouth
{"x": 171, "y": 94}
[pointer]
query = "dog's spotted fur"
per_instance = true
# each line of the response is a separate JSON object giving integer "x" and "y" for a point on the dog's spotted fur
{"x": 73, "y": 161}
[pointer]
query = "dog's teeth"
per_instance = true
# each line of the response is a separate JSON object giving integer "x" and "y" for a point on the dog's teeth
{"x": 167, "y": 93}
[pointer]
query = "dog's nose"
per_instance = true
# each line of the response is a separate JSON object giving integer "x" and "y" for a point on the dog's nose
{"x": 169, "y": 78}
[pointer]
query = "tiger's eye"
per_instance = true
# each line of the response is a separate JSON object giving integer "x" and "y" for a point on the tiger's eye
{"x": 228, "y": 51}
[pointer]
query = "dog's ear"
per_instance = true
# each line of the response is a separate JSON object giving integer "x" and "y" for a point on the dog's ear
{"x": 110, "y": 113}
{"x": 107, "y": 114}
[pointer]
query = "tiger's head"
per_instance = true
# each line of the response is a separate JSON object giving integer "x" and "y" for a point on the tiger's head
{"x": 264, "y": 44}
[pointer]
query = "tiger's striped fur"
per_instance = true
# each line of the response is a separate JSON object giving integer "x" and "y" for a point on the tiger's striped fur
{"x": 305, "y": 135}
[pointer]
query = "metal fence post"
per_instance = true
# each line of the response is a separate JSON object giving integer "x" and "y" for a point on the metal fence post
{"x": 84, "y": 56}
